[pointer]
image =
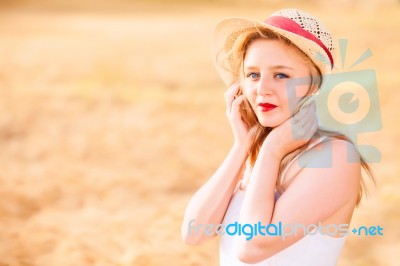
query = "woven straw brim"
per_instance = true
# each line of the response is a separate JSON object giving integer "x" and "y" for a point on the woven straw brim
{"x": 227, "y": 30}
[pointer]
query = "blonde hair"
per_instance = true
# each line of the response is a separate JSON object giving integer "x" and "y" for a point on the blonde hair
{"x": 232, "y": 61}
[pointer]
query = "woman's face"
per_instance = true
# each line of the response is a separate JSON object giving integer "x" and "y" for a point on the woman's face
{"x": 268, "y": 66}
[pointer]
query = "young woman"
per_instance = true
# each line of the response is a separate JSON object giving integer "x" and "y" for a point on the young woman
{"x": 286, "y": 192}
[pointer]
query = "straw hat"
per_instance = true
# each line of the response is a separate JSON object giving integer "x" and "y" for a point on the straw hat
{"x": 304, "y": 30}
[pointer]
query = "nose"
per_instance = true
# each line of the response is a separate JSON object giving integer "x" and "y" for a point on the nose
{"x": 265, "y": 86}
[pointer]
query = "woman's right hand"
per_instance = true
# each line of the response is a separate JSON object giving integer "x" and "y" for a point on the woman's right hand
{"x": 242, "y": 136}
{"x": 293, "y": 133}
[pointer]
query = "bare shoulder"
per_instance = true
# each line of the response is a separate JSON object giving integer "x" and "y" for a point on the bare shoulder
{"x": 333, "y": 161}
{"x": 337, "y": 151}
{"x": 329, "y": 153}
{"x": 324, "y": 181}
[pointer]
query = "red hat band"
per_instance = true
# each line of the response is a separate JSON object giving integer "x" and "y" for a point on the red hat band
{"x": 291, "y": 26}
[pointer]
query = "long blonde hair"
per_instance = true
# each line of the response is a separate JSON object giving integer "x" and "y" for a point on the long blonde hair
{"x": 234, "y": 58}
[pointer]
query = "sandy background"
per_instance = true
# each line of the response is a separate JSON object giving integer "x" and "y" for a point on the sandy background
{"x": 112, "y": 115}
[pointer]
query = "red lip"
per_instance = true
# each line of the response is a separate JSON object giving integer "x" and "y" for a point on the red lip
{"x": 267, "y": 106}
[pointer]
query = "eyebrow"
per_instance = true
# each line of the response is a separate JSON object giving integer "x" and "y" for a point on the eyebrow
{"x": 271, "y": 67}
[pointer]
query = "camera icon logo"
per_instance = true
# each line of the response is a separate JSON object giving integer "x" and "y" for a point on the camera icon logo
{"x": 348, "y": 102}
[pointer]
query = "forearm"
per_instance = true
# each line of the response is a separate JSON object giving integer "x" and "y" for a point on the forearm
{"x": 258, "y": 204}
{"x": 209, "y": 203}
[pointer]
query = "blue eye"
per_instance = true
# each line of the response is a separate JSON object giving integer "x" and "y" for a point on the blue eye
{"x": 252, "y": 75}
{"x": 281, "y": 76}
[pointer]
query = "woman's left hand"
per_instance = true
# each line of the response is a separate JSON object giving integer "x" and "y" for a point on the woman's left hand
{"x": 293, "y": 133}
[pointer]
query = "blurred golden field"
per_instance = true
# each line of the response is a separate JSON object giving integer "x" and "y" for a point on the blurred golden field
{"x": 112, "y": 116}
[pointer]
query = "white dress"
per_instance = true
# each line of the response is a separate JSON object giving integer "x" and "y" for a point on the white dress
{"x": 311, "y": 250}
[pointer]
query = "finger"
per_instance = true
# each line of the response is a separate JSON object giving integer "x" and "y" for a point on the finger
{"x": 303, "y": 124}
{"x": 238, "y": 100}
{"x": 305, "y": 132}
{"x": 230, "y": 97}
{"x": 299, "y": 117}
{"x": 311, "y": 126}
{"x": 309, "y": 132}
{"x": 228, "y": 106}
{"x": 232, "y": 90}
{"x": 236, "y": 104}
{"x": 314, "y": 129}
{"x": 302, "y": 121}
{"x": 231, "y": 87}
{"x": 228, "y": 102}
{"x": 311, "y": 107}
{"x": 311, "y": 104}
{"x": 305, "y": 114}
{"x": 310, "y": 115}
